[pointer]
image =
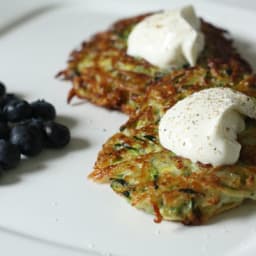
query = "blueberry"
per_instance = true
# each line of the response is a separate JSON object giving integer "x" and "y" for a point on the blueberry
{"x": 43, "y": 109}
{"x": 35, "y": 122}
{"x": 38, "y": 124}
{"x": 2, "y": 117}
{"x": 4, "y": 130}
{"x": 28, "y": 139}
{"x": 57, "y": 135}
{"x": 9, "y": 155}
{"x": 17, "y": 110}
{"x": 2, "y": 89}
{"x": 7, "y": 98}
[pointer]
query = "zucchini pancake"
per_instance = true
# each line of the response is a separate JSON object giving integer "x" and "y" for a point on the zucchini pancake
{"x": 104, "y": 74}
{"x": 159, "y": 182}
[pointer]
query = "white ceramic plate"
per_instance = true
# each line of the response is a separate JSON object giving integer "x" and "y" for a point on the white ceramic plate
{"x": 47, "y": 206}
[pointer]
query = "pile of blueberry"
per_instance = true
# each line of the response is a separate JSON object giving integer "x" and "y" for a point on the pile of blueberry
{"x": 25, "y": 129}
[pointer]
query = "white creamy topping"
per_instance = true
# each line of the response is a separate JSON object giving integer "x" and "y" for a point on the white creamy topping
{"x": 168, "y": 39}
{"x": 203, "y": 127}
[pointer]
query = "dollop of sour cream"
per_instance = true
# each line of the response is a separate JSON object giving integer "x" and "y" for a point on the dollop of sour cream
{"x": 203, "y": 127}
{"x": 168, "y": 39}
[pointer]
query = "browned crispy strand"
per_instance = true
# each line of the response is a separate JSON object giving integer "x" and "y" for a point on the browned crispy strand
{"x": 157, "y": 181}
{"x": 104, "y": 74}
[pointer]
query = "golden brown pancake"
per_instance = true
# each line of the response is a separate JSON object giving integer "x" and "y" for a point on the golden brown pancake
{"x": 159, "y": 182}
{"x": 102, "y": 72}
